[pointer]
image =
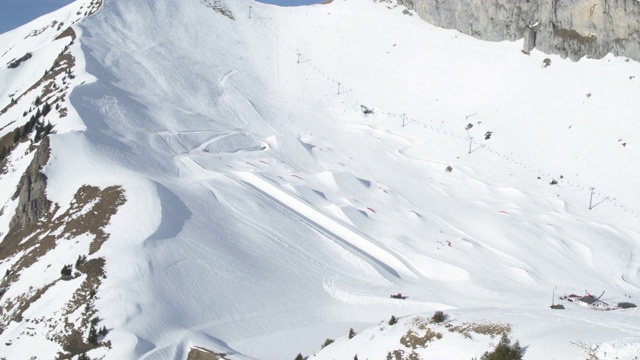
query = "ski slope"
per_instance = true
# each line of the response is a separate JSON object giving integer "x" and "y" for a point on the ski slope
{"x": 266, "y": 212}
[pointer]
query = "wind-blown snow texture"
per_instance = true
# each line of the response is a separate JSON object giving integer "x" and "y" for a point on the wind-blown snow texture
{"x": 266, "y": 212}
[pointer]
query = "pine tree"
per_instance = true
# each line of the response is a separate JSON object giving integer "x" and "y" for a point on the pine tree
{"x": 28, "y": 127}
{"x": 66, "y": 271}
{"x": 80, "y": 261}
{"x": 299, "y": 357}
{"x": 327, "y": 342}
{"x": 47, "y": 129}
{"x": 393, "y": 320}
{"x": 504, "y": 350}
{"x": 38, "y": 101}
{"x": 46, "y": 108}
{"x": 351, "y": 333}
{"x": 438, "y": 317}
{"x": 38, "y": 133}
{"x": 93, "y": 335}
{"x": 16, "y": 136}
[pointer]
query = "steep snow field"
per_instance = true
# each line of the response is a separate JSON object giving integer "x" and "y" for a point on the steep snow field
{"x": 266, "y": 212}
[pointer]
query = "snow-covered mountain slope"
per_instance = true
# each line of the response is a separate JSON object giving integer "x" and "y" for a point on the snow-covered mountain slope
{"x": 252, "y": 180}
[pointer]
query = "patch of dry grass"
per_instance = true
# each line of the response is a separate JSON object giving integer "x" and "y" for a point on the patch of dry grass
{"x": 15, "y": 308}
{"x": 491, "y": 329}
{"x": 68, "y": 32}
{"x": 400, "y": 355}
{"x": 198, "y": 353}
{"x": 414, "y": 340}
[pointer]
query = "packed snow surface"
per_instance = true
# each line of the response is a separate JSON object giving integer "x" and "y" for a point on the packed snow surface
{"x": 267, "y": 212}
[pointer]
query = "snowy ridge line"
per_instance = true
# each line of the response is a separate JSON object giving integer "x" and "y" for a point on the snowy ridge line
{"x": 411, "y": 120}
{"x": 379, "y": 256}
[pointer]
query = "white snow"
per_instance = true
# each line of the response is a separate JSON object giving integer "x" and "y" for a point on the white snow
{"x": 265, "y": 212}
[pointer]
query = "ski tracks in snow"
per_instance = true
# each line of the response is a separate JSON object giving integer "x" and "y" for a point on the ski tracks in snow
{"x": 224, "y": 79}
{"x": 385, "y": 260}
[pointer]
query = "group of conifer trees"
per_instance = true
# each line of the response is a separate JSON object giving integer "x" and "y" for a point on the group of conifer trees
{"x": 36, "y": 123}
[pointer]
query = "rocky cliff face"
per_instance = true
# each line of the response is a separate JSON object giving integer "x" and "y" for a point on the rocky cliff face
{"x": 569, "y": 28}
{"x": 32, "y": 201}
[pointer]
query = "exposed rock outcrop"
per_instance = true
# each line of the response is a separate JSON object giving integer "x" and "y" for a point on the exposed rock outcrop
{"x": 32, "y": 201}
{"x": 569, "y": 28}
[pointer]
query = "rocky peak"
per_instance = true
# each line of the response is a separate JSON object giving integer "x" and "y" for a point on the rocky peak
{"x": 32, "y": 200}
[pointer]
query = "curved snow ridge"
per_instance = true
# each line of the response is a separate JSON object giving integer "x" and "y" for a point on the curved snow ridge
{"x": 232, "y": 143}
{"x": 379, "y": 255}
{"x": 224, "y": 79}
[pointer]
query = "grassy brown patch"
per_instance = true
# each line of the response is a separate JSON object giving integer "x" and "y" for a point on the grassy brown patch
{"x": 13, "y": 310}
{"x": 197, "y": 353}
{"x": 94, "y": 269}
{"x": 63, "y": 62}
{"x": 74, "y": 344}
{"x": 103, "y": 205}
{"x": 414, "y": 340}
{"x": 68, "y": 32}
{"x": 7, "y": 140}
{"x": 399, "y": 355}
{"x": 491, "y": 329}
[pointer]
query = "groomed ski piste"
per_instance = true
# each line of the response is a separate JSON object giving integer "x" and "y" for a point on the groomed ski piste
{"x": 266, "y": 212}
